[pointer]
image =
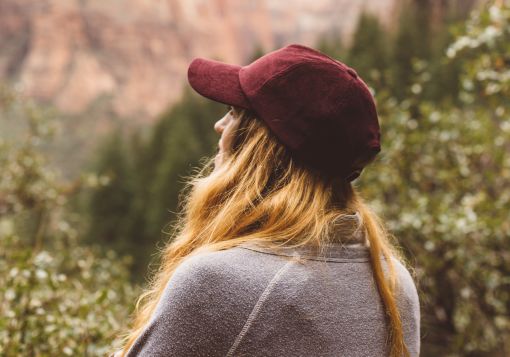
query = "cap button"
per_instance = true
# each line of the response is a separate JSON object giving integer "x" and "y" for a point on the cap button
{"x": 352, "y": 72}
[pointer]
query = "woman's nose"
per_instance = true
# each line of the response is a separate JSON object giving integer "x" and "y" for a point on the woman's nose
{"x": 218, "y": 126}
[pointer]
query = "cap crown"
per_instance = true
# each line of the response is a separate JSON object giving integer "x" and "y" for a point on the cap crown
{"x": 316, "y": 105}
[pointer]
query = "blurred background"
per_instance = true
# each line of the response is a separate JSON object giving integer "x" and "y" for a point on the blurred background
{"x": 99, "y": 128}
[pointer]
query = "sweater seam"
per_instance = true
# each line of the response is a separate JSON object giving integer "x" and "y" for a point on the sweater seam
{"x": 258, "y": 306}
{"x": 328, "y": 259}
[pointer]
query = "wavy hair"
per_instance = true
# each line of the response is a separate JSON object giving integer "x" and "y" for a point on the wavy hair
{"x": 261, "y": 193}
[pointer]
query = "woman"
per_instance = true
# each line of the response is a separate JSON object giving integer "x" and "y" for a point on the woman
{"x": 275, "y": 252}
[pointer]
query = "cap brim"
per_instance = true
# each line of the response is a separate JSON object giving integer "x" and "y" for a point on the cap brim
{"x": 217, "y": 81}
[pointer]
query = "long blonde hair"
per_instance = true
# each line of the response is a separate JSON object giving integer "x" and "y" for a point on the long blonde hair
{"x": 261, "y": 193}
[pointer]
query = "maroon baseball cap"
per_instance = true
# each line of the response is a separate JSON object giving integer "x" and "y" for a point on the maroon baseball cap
{"x": 317, "y": 106}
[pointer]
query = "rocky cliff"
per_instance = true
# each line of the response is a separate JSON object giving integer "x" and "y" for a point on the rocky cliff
{"x": 133, "y": 54}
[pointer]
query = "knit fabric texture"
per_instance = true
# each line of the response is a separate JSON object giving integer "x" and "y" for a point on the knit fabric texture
{"x": 253, "y": 301}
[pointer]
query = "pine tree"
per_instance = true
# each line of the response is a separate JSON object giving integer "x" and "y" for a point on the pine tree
{"x": 184, "y": 135}
{"x": 109, "y": 204}
{"x": 331, "y": 44}
{"x": 369, "y": 53}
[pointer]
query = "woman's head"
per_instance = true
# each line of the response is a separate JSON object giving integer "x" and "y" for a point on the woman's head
{"x": 226, "y": 127}
{"x": 253, "y": 179}
{"x": 316, "y": 105}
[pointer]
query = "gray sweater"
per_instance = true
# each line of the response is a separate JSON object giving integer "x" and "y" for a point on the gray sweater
{"x": 250, "y": 301}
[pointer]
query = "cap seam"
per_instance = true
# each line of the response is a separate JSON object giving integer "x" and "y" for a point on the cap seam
{"x": 320, "y": 53}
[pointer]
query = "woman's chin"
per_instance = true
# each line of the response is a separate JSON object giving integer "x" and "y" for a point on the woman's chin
{"x": 217, "y": 161}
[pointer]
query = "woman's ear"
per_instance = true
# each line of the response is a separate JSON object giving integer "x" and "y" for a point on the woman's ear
{"x": 238, "y": 112}
{"x": 243, "y": 116}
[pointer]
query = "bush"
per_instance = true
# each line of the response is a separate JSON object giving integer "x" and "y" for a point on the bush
{"x": 442, "y": 183}
{"x": 57, "y": 297}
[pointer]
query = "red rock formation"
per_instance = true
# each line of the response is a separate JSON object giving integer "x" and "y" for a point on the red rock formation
{"x": 135, "y": 53}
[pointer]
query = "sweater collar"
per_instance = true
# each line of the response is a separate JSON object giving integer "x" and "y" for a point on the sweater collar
{"x": 348, "y": 244}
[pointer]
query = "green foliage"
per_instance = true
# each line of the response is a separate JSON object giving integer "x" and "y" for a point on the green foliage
{"x": 58, "y": 297}
{"x": 443, "y": 187}
{"x": 114, "y": 196}
{"x": 257, "y": 52}
{"x": 145, "y": 176}
{"x": 411, "y": 43}
{"x": 483, "y": 43}
{"x": 66, "y": 300}
{"x": 442, "y": 184}
{"x": 369, "y": 51}
{"x": 331, "y": 44}
{"x": 395, "y": 61}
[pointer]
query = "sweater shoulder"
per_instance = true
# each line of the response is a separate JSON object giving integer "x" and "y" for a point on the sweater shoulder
{"x": 227, "y": 265}
{"x": 227, "y": 279}
{"x": 407, "y": 282}
{"x": 207, "y": 299}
